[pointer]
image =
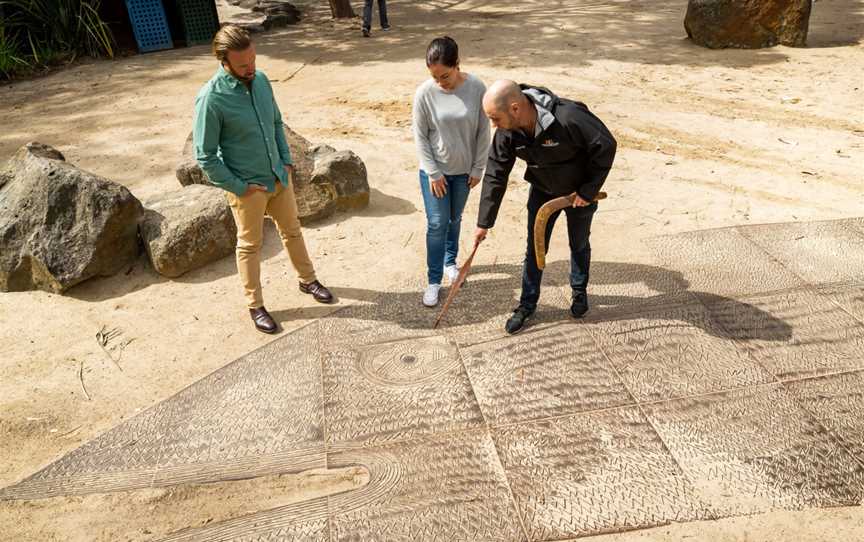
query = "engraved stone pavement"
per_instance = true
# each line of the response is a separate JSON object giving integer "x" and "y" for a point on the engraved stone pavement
{"x": 725, "y": 380}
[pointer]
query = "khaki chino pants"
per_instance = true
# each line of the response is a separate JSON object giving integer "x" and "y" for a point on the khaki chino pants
{"x": 249, "y": 212}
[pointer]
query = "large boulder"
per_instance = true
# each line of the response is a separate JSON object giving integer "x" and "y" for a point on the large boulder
{"x": 326, "y": 180}
{"x": 187, "y": 229}
{"x": 747, "y": 24}
{"x": 60, "y": 225}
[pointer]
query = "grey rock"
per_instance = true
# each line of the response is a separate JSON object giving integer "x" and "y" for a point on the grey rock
{"x": 326, "y": 180}
{"x": 747, "y": 24}
{"x": 187, "y": 229}
{"x": 347, "y": 174}
{"x": 270, "y": 14}
{"x": 315, "y": 200}
{"x": 60, "y": 225}
{"x": 278, "y": 20}
{"x": 188, "y": 171}
{"x": 253, "y": 27}
{"x": 318, "y": 151}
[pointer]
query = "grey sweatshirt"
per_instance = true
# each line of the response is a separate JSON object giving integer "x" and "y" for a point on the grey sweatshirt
{"x": 450, "y": 129}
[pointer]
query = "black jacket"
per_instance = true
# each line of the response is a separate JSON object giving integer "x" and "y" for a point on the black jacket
{"x": 574, "y": 153}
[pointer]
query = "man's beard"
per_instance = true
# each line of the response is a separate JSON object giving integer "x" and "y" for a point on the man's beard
{"x": 241, "y": 77}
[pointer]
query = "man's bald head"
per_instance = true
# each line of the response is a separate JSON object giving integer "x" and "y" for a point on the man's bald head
{"x": 501, "y": 94}
{"x": 505, "y": 105}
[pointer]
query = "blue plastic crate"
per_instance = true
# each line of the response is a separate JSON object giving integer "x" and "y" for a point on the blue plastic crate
{"x": 200, "y": 20}
{"x": 149, "y": 25}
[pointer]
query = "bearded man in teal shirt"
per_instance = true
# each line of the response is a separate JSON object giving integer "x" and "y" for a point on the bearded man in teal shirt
{"x": 239, "y": 142}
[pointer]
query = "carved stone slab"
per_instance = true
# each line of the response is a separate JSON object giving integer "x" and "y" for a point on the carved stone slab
{"x": 542, "y": 373}
{"x": 838, "y": 403}
{"x": 756, "y": 450}
{"x": 397, "y": 390}
{"x": 259, "y": 415}
{"x": 592, "y": 473}
{"x": 795, "y": 334}
{"x": 446, "y": 487}
{"x": 723, "y": 262}
{"x": 815, "y": 251}
{"x": 674, "y": 352}
{"x": 850, "y": 298}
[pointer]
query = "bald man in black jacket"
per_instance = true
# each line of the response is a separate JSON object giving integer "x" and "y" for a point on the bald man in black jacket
{"x": 567, "y": 149}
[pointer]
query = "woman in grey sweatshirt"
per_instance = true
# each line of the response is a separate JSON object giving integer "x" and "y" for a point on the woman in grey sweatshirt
{"x": 452, "y": 136}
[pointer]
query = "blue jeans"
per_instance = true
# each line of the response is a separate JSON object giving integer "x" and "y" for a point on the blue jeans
{"x": 382, "y": 14}
{"x": 443, "y": 222}
{"x": 578, "y": 230}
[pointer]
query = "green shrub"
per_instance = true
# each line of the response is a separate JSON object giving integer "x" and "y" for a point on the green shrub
{"x": 10, "y": 61}
{"x": 37, "y": 33}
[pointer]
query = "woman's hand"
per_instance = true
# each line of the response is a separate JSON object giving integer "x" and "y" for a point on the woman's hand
{"x": 473, "y": 181}
{"x": 439, "y": 187}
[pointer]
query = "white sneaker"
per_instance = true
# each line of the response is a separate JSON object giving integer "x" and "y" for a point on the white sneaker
{"x": 451, "y": 272}
{"x": 430, "y": 296}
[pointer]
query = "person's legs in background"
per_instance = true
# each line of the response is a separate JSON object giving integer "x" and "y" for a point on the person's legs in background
{"x": 382, "y": 15}
{"x": 367, "y": 17}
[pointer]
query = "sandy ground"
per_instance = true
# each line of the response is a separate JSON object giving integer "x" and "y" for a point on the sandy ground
{"x": 706, "y": 139}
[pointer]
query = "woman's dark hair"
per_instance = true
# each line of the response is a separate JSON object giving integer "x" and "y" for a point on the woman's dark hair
{"x": 443, "y": 51}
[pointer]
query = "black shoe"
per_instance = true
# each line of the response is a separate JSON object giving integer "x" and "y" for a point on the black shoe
{"x": 385, "y": 28}
{"x": 318, "y": 291}
{"x": 263, "y": 321}
{"x": 366, "y": 33}
{"x": 580, "y": 305}
{"x": 517, "y": 321}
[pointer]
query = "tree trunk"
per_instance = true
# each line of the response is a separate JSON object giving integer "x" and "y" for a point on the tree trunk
{"x": 341, "y": 9}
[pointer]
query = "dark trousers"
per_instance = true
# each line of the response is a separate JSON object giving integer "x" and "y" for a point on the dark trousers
{"x": 578, "y": 230}
{"x": 382, "y": 14}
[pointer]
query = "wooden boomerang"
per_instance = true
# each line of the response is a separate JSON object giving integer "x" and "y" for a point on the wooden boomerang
{"x": 463, "y": 272}
{"x": 542, "y": 219}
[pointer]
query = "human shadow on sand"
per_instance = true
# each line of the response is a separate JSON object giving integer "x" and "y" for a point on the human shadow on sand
{"x": 618, "y": 291}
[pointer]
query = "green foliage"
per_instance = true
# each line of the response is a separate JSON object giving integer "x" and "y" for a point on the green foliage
{"x": 10, "y": 61}
{"x": 38, "y": 33}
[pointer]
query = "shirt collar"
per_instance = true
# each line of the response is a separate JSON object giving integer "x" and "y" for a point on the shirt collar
{"x": 226, "y": 76}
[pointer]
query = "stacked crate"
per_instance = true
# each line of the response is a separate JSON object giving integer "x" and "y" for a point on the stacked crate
{"x": 149, "y": 25}
{"x": 199, "y": 19}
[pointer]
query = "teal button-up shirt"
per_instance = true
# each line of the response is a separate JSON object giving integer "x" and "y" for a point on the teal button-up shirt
{"x": 238, "y": 134}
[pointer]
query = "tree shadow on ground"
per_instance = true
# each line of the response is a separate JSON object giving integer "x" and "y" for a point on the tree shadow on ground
{"x": 633, "y": 291}
{"x": 523, "y": 36}
{"x": 540, "y": 33}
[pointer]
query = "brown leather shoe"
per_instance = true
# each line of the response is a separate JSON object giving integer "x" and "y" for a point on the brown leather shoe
{"x": 263, "y": 321}
{"x": 318, "y": 291}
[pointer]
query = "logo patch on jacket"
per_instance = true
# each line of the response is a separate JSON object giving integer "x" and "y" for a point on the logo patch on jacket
{"x": 549, "y": 143}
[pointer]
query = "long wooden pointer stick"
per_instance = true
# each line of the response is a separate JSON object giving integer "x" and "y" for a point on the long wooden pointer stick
{"x": 466, "y": 266}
